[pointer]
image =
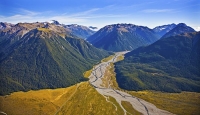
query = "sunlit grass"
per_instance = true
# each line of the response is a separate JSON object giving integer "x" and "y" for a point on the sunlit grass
{"x": 45, "y": 101}
{"x": 185, "y": 103}
{"x": 120, "y": 58}
{"x": 119, "y": 109}
{"x": 87, "y": 73}
{"x": 87, "y": 101}
{"x": 129, "y": 108}
{"x": 107, "y": 59}
{"x": 109, "y": 78}
{"x": 80, "y": 99}
{"x": 44, "y": 29}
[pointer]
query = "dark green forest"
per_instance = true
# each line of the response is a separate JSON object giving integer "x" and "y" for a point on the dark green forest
{"x": 171, "y": 65}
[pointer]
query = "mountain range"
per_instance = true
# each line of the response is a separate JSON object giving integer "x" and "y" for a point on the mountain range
{"x": 75, "y": 29}
{"x": 162, "y": 30}
{"x": 80, "y": 31}
{"x": 50, "y": 55}
{"x": 121, "y": 37}
{"x": 43, "y": 55}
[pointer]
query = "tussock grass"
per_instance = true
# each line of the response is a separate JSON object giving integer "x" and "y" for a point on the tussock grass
{"x": 87, "y": 73}
{"x": 107, "y": 59}
{"x": 80, "y": 99}
{"x": 44, "y": 30}
{"x": 120, "y": 58}
{"x": 119, "y": 109}
{"x": 185, "y": 103}
{"x": 109, "y": 78}
{"x": 129, "y": 108}
{"x": 87, "y": 101}
{"x": 45, "y": 101}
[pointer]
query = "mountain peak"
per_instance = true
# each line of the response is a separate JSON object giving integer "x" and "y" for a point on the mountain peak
{"x": 54, "y": 22}
{"x": 179, "y": 29}
{"x": 162, "y": 30}
{"x": 181, "y": 24}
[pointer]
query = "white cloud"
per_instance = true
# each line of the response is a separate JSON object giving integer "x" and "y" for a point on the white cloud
{"x": 27, "y": 12}
{"x": 197, "y": 28}
{"x": 157, "y": 10}
{"x": 24, "y": 15}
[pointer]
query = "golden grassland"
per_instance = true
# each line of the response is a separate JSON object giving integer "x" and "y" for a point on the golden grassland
{"x": 45, "y": 101}
{"x": 80, "y": 99}
{"x": 87, "y": 101}
{"x": 120, "y": 58}
{"x": 87, "y": 73}
{"x": 129, "y": 108}
{"x": 185, "y": 103}
{"x": 107, "y": 59}
{"x": 109, "y": 78}
{"x": 44, "y": 30}
{"x": 119, "y": 109}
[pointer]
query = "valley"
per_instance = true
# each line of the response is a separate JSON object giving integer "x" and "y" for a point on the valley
{"x": 101, "y": 95}
{"x": 140, "y": 105}
{"x": 122, "y": 69}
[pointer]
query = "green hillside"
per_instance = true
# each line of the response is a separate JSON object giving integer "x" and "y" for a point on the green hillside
{"x": 43, "y": 59}
{"x": 170, "y": 65}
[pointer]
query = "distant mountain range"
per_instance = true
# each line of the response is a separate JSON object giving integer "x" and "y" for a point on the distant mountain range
{"x": 120, "y": 37}
{"x": 80, "y": 31}
{"x": 162, "y": 30}
{"x": 43, "y": 55}
{"x": 171, "y": 64}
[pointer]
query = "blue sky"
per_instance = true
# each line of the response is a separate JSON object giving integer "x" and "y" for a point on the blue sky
{"x": 99, "y": 13}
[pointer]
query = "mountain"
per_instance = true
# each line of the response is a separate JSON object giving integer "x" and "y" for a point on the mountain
{"x": 54, "y": 22}
{"x": 93, "y": 28}
{"x": 178, "y": 29}
{"x": 170, "y": 64}
{"x": 120, "y": 37}
{"x": 43, "y": 55}
{"x": 4, "y": 25}
{"x": 77, "y": 30}
{"x": 80, "y": 31}
{"x": 161, "y": 30}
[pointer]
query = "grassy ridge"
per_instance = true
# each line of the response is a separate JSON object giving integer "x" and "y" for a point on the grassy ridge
{"x": 87, "y": 101}
{"x": 62, "y": 101}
